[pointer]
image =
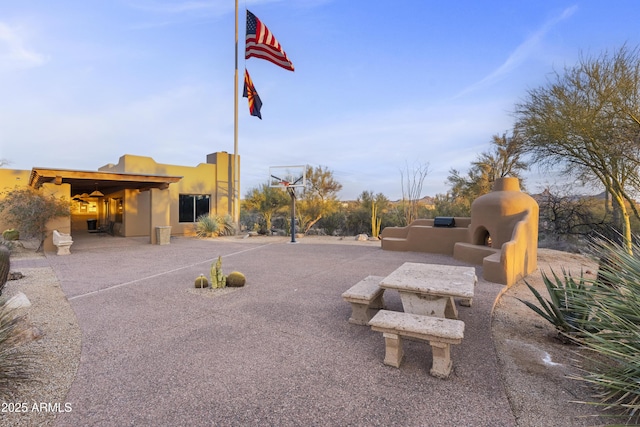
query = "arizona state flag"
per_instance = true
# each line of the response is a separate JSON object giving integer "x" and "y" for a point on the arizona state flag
{"x": 255, "y": 104}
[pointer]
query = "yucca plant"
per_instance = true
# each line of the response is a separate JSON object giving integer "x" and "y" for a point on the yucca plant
{"x": 15, "y": 364}
{"x": 566, "y": 309}
{"x": 5, "y": 266}
{"x": 214, "y": 225}
{"x": 612, "y": 331}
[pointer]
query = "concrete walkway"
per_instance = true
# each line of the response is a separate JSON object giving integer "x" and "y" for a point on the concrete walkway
{"x": 278, "y": 352}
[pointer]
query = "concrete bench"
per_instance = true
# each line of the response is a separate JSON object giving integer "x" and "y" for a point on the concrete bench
{"x": 365, "y": 298}
{"x": 63, "y": 241}
{"x": 440, "y": 333}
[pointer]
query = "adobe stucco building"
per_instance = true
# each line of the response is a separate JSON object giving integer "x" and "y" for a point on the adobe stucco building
{"x": 133, "y": 197}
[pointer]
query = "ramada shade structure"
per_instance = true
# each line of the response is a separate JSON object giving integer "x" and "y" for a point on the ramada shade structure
{"x": 105, "y": 182}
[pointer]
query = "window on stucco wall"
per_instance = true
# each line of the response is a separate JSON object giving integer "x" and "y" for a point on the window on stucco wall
{"x": 192, "y": 206}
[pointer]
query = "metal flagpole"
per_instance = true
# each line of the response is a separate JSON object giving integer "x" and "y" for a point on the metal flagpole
{"x": 236, "y": 161}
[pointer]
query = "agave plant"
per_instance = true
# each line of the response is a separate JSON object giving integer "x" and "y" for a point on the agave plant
{"x": 567, "y": 309}
{"x": 613, "y": 332}
{"x": 214, "y": 225}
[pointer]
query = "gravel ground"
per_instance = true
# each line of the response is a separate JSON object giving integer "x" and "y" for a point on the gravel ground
{"x": 533, "y": 365}
{"x": 56, "y": 348}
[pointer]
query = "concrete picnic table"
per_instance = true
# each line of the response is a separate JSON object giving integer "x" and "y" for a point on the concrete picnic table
{"x": 429, "y": 289}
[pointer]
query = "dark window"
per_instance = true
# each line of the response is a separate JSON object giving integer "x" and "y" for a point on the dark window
{"x": 192, "y": 206}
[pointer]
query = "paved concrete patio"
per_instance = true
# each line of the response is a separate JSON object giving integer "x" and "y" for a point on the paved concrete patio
{"x": 278, "y": 352}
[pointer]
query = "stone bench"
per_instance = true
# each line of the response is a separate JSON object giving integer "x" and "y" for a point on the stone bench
{"x": 365, "y": 298}
{"x": 63, "y": 241}
{"x": 440, "y": 333}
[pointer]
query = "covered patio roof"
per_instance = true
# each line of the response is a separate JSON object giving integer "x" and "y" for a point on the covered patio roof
{"x": 106, "y": 182}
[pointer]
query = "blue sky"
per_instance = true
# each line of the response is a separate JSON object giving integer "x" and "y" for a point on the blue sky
{"x": 379, "y": 86}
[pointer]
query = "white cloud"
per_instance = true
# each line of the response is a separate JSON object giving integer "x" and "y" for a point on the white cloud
{"x": 13, "y": 50}
{"x": 521, "y": 53}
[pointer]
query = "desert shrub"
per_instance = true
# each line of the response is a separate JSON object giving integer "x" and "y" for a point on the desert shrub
{"x": 333, "y": 223}
{"x": 31, "y": 209}
{"x": 11, "y": 234}
{"x": 214, "y": 225}
{"x": 15, "y": 364}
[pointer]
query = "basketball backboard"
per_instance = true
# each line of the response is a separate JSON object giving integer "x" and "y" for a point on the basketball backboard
{"x": 287, "y": 176}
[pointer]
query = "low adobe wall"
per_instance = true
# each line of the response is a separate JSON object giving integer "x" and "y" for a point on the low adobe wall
{"x": 422, "y": 236}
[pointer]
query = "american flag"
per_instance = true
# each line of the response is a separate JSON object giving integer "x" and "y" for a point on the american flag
{"x": 260, "y": 43}
{"x": 255, "y": 103}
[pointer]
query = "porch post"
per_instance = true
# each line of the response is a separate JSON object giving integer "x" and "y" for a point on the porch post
{"x": 160, "y": 211}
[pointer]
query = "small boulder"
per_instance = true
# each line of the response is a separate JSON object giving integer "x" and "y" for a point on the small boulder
{"x": 15, "y": 275}
{"x": 19, "y": 300}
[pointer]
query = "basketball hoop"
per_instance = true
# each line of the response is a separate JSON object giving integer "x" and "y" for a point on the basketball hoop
{"x": 289, "y": 178}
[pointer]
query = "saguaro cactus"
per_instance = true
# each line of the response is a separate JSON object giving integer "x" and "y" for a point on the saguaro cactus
{"x": 5, "y": 266}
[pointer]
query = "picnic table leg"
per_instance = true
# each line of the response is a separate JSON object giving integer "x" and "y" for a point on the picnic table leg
{"x": 441, "y": 365}
{"x": 450, "y": 311}
{"x": 393, "y": 349}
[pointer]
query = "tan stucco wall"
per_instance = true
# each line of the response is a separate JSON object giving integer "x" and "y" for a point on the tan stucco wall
{"x": 142, "y": 210}
{"x": 421, "y": 236}
{"x": 62, "y": 224}
{"x": 211, "y": 178}
{"x": 10, "y": 179}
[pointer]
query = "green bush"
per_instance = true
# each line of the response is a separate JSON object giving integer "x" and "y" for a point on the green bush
{"x": 214, "y": 225}
{"x": 11, "y": 234}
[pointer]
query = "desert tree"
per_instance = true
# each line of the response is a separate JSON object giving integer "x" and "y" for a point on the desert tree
{"x": 267, "y": 201}
{"x": 504, "y": 158}
{"x": 320, "y": 197}
{"x": 586, "y": 121}
{"x": 566, "y": 216}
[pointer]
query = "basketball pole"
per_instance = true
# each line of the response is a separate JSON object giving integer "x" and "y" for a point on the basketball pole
{"x": 292, "y": 193}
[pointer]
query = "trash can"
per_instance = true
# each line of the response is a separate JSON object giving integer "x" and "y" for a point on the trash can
{"x": 92, "y": 224}
{"x": 163, "y": 235}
